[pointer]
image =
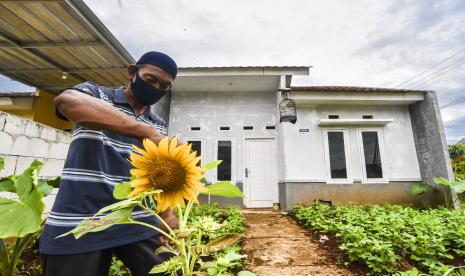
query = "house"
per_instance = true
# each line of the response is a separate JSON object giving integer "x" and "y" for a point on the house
{"x": 348, "y": 143}
{"x": 34, "y": 106}
{"x": 462, "y": 141}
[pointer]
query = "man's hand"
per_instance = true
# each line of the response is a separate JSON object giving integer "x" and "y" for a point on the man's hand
{"x": 171, "y": 219}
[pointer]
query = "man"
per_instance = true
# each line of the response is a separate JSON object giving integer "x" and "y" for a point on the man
{"x": 108, "y": 122}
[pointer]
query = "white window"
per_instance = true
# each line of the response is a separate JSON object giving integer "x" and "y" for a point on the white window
{"x": 372, "y": 155}
{"x": 198, "y": 146}
{"x": 224, "y": 150}
{"x": 338, "y": 169}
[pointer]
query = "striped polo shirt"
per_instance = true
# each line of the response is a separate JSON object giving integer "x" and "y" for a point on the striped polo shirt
{"x": 96, "y": 162}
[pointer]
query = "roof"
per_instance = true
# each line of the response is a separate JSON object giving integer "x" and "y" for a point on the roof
{"x": 18, "y": 94}
{"x": 462, "y": 141}
{"x": 351, "y": 89}
{"x": 246, "y": 67}
{"x": 243, "y": 70}
{"x": 55, "y": 44}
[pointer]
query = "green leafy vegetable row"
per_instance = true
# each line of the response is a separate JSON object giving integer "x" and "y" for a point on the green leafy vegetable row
{"x": 391, "y": 238}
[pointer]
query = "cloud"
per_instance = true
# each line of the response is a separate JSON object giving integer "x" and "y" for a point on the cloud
{"x": 360, "y": 42}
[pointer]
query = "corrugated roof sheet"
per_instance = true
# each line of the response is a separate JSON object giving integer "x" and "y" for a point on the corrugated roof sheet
{"x": 350, "y": 89}
{"x": 17, "y": 94}
{"x": 39, "y": 40}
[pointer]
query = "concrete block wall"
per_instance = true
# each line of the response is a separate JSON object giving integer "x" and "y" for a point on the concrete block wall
{"x": 22, "y": 141}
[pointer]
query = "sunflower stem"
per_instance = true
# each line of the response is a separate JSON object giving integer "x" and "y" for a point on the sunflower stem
{"x": 157, "y": 216}
{"x": 182, "y": 246}
{"x": 188, "y": 210}
{"x": 194, "y": 256}
{"x": 131, "y": 221}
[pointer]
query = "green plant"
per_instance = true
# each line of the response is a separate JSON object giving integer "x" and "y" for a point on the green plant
{"x": 223, "y": 262}
{"x": 457, "y": 156}
{"x": 458, "y": 167}
{"x": 230, "y": 217}
{"x": 422, "y": 190}
{"x": 460, "y": 271}
{"x": 456, "y": 151}
{"x": 385, "y": 236}
{"x": 412, "y": 272}
{"x": 21, "y": 218}
{"x": 456, "y": 186}
{"x": 117, "y": 268}
{"x": 188, "y": 243}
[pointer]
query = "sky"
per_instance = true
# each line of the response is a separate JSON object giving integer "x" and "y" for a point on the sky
{"x": 359, "y": 42}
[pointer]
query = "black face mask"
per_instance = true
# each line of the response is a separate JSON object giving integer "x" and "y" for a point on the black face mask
{"x": 144, "y": 93}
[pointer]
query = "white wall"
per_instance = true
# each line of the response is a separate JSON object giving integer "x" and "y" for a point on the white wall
{"x": 22, "y": 141}
{"x": 305, "y": 154}
{"x": 210, "y": 110}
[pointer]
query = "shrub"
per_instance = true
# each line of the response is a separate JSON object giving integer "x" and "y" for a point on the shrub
{"x": 384, "y": 236}
{"x": 456, "y": 151}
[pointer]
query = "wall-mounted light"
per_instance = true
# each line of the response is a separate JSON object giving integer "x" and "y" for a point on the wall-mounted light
{"x": 287, "y": 110}
{"x": 64, "y": 76}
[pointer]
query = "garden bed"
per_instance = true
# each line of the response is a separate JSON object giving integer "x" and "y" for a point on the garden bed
{"x": 390, "y": 239}
{"x": 230, "y": 218}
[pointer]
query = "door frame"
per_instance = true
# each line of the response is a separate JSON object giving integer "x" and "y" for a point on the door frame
{"x": 247, "y": 190}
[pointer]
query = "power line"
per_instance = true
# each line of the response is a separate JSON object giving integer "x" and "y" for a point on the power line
{"x": 455, "y": 102}
{"x": 432, "y": 67}
{"x": 433, "y": 76}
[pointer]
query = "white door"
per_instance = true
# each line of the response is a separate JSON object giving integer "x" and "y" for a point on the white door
{"x": 261, "y": 185}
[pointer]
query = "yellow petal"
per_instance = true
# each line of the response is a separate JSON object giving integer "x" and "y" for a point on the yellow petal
{"x": 138, "y": 161}
{"x": 139, "y": 182}
{"x": 173, "y": 145}
{"x": 179, "y": 152}
{"x": 180, "y": 200}
{"x": 137, "y": 191}
{"x": 183, "y": 156}
{"x": 189, "y": 194}
{"x": 163, "y": 147}
{"x": 189, "y": 148}
{"x": 193, "y": 162}
{"x": 201, "y": 188}
{"x": 150, "y": 147}
{"x": 139, "y": 172}
{"x": 139, "y": 150}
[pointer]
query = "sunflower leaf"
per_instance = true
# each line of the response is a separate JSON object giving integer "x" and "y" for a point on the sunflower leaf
{"x": 121, "y": 191}
{"x": 7, "y": 184}
{"x": 44, "y": 188}
{"x": 217, "y": 244}
{"x": 55, "y": 183}
{"x": 96, "y": 225}
{"x": 22, "y": 216}
{"x": 212, "y": 164}
{"x": 166, "y": 249}
{"x": 225, "y": 189}
{"x": 128, "y": 203}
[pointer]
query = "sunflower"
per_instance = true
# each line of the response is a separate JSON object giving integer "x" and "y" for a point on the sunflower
{"x": 167, "y": 167}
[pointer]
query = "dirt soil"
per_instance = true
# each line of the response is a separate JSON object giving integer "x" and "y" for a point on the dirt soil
{"x": 277, "y": 245}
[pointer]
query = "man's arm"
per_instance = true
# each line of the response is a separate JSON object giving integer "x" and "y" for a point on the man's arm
{"x": 92, "y": 113}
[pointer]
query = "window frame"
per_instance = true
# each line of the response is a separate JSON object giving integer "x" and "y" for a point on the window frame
{"x": 329, "y": 180}
{"x": 202, "y": 145}
{"x": 382, "y": 152}
{"x": 233, "y": 158}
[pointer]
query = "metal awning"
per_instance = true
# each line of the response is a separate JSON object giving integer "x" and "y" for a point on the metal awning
{"x": 53, "y": 45}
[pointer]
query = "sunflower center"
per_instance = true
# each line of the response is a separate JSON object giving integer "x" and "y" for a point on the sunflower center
{"x": 166, "y": 175}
